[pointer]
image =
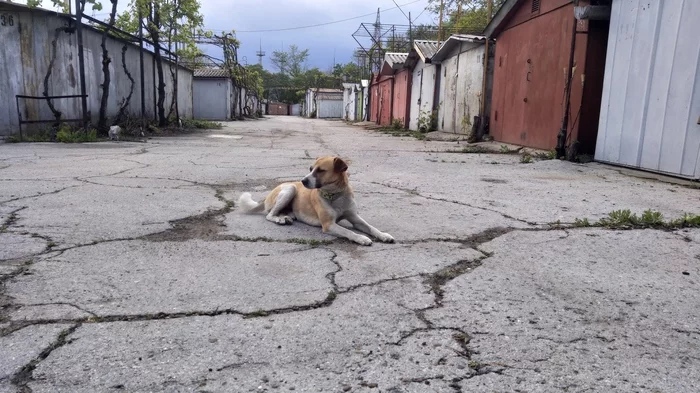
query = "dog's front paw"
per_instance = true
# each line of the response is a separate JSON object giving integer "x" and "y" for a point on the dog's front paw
{"x": 363, "y": 240}
{"x": 385, "y": 237}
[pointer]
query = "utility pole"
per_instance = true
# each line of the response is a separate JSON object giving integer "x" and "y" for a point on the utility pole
{"x": 410, "y": 29}
{"x": 442, "y": 5}
{"x": 142, "y": 72}
{"x": 81, "y": 62}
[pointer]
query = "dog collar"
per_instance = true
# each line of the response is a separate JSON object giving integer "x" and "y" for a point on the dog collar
{"x": 329, "y": 196}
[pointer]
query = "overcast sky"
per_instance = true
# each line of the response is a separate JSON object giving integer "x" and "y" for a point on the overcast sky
{"x": 246, "y": 16}
{"x": 322, "y": 41}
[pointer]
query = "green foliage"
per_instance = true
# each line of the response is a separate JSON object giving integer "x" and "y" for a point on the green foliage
{"x": 201, "y": 124}
{"x": 620, "y": 219}
{"x": 290, "y": 62}
{"x": 349, "y": 72}
{"x": 687, "y": 221}
{"x": 550, "y": 155}
{"x": 625, "y": 219}
{"x": 505, "y": 149}
{"x": 65, "y": 134}
{"x": 526, "y": 159}
{"x": 428, "y": 120}
{"x": 64, "y": 5}
{"x": 40, "y": 136}
{"x": 397, "y": 125}
{"x": 582, "y": 223}
{"x": 652, "y": 218}
{"x": 464, "y": 16}
{"x": 475, "y": 149}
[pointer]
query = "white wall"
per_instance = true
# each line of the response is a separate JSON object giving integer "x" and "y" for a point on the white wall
{"x": 651, "y": 93}
{"x": 422, "y": 92}
{"x": 460, "y": 89}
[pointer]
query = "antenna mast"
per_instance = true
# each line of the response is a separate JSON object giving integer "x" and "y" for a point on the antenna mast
{"x": 260, "y": 54}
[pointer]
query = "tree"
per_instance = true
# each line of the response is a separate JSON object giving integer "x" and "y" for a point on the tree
{"x": 349, "y": 72}
{"x": 102, "y": 127}
{"x": 464, "y": 16}
{"x": 423, "y": 32}
{"x": 164, "y": 22}
{"x": 290, "y": 62}
{"x": 65, "y": 4}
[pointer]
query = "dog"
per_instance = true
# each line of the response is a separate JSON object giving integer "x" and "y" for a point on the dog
{"x": 322, "y": 198}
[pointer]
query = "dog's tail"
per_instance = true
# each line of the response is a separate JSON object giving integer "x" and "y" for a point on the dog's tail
{"x": 248, "y": 205}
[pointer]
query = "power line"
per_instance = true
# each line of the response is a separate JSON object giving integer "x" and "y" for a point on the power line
{"x": 404, "y": 14}
{"x": 323, "y": 24}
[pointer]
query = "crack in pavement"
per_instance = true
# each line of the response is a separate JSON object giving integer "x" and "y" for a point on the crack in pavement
{"x": 21, "y": 378}
{"x": 11, "y": 219}
{"x": 416, "y": 193}
{"x": 41, "y": 193}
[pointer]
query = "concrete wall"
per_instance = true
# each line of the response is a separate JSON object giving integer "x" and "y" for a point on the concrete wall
{"x": 461, "y": 89}
{"x": 212, "y": 99}
{"x": 26, "y": 55}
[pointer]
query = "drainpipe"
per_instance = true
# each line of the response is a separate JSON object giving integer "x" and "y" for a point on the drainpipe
{"x": 561, "y": 137}
{"x": 391, "y": 100}
{"x": 484, "y": 85}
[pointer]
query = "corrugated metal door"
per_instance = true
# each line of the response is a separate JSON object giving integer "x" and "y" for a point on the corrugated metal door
{"x": 211, "y": 99}
{"x": 401, "y": 96}
{"x": 384, "y": 102}
{"x": 374, "y": 104}
{"x": 651, "y": 94}
{"x": 330, "y": 109}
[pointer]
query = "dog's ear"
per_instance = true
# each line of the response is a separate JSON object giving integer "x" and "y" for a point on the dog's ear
{"x": 339, "y": 165}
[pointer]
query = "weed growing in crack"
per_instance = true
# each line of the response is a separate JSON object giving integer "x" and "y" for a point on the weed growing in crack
{"x": 8, "y": 222}
{"x": 201, "y": 124}
{"x": 556, "y": 224}
{"x": 257, "y": 314}
{"x": 475, "y": 149}
{"x": 505, "y": 149}
{"x": 526, "y": 159}
{"x": 581, "y": 223}
{"x": 309, "y": 242}
{"x": 550, "y": 155}
{"x": 625, "y": 219}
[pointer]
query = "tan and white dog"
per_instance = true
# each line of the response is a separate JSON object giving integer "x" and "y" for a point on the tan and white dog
{"x": 322, "y": 198}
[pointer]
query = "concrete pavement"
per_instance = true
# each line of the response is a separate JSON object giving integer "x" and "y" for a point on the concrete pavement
{"x": 126, "y": 267}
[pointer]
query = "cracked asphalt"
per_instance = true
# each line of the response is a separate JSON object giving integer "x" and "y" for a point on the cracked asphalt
{"x": 126, "y": 267}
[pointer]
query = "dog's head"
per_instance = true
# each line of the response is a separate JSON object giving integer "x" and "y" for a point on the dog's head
{"x": 327, "y": 172}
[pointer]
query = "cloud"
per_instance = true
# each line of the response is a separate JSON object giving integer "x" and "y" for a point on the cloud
{"x": 322, "y": 41}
